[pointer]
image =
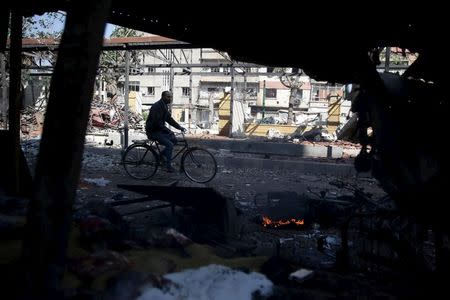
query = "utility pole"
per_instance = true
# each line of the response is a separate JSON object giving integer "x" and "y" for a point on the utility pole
{"x": 190, "y": 100}
{"x": 4, "y": 91}
{"x": 171, "y": 85}
{"x": 292, "y": 96}
{"x": 387, "y": 61}
{"x": 264, "y": 100}
{"x": 231, "y": 102}
{"x": 245, "y": 87}
{"x": 126, "y": 96}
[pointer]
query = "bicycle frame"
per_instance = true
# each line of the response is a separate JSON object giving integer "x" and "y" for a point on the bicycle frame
{"x": 184, "y": 143}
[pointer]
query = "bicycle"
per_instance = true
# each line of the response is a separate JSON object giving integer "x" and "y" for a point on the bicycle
{"x": 142, "y": 159}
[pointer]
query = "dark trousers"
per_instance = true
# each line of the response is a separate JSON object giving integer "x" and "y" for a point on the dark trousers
{"x": 167, "y": 139}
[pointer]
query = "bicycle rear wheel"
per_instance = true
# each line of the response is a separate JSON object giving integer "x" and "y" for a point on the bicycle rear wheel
{"x": 140, "y": 161}
{"x": 199, "y": 165}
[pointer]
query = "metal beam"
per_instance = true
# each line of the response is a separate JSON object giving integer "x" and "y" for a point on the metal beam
{"x": 118, "y": 46}
{"x": 191, "y": 65}
{"x": 238, "y": 65}
{"x": 185, "y": 58}
{"x": 165, "y": 57}
{"x": 206, "y": 65}
{"x": 211, "y": 74}
{"x": 152, "y": 53}
{"x": 174, "y": 56}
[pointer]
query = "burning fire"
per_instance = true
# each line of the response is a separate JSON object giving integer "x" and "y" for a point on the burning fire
{"x": 267, "y": 222}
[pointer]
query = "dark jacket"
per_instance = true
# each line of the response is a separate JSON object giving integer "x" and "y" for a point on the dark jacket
{"x": 158, "y": 116}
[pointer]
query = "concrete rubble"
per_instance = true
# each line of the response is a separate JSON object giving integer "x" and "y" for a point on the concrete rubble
{"x": 109, "y": 114}
{"x": 103, "y": 114}
{"x": 107, "y": 244}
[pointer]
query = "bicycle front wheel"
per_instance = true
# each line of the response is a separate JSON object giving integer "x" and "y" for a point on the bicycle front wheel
{"x": 140, "y": 161}
{"x": 199, "y": 165}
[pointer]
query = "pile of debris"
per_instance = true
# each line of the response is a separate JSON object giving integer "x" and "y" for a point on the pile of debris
{"x": 104, "y": 114}
{"x": 111, "y": 114}
{"x": 32, "y": 121}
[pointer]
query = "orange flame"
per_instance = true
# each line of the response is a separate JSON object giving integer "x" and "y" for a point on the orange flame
{"x": 267, "y": 222}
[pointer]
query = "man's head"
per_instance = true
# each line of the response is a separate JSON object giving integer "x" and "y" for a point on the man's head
{"x": 167, "y": 97}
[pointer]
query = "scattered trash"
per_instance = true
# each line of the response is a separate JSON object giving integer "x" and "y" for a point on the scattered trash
{"x": 274, "y": 133}
{"x": 310, "y": 178}
{"x": 321, "y": 243}
{"x": 316, "y": 228}
{"x": 117, "y": 196}
{"x": 332, "y": 240}
{"x": 284, "y": 240}
{"x": 94, "y": 265}
{"x": 277, "y": 269}
{"x": 100, "y": 226}
{"x": 97, "y": 181}
{"x": 301, "y": 275}
{"x": 224, "y": 152}
{"x": 179, "y": 237}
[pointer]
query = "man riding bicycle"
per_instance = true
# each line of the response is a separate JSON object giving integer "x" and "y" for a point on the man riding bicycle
{"x": 156, "y": 130}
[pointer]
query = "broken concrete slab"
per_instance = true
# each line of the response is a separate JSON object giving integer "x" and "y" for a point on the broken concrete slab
{"x": 270, "y": 148}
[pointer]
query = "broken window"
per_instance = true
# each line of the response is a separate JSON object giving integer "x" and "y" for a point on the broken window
{"x": 150, "y": 91}
{"x": 186, "y": 91}
{"x": 134, "y": 86}
{"x": 251, "y": 92}
{"x": 271, "y": 93}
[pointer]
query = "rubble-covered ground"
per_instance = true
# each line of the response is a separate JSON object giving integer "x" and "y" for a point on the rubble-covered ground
{"x": 254, "y": 193}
